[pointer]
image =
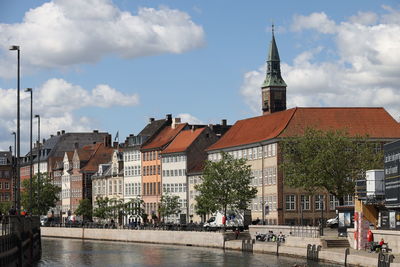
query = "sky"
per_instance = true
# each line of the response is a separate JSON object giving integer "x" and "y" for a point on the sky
{"x": 112, "y": 65}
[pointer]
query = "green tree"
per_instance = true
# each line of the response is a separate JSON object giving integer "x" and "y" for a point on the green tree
{"x": 204, "y": 206}
{"x": 330, "y": 160}
{"x": 49, "y": 194}
{"x": 101, "y": 210}
{"x": 85, "y": 209}
{"x": 225, "y": 184}
{"x": 169, "y": 205}
{"x": 5, "y": 207}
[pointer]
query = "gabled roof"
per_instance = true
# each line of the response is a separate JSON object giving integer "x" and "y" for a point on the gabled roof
{"x": 152, "y": 127}
{"x": 164, "y": 137}
{"x": 101, "y": 154}
{"x": 374, "y": 122}
{"x": 254, "y": 130}
{"x": 182, "y": 141}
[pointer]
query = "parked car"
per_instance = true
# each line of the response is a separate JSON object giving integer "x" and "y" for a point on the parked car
{"x": 333, "y": 223}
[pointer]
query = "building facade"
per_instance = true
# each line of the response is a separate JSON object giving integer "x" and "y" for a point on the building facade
{"x": 6, "y": 181}
{"x": 258, "y": 141}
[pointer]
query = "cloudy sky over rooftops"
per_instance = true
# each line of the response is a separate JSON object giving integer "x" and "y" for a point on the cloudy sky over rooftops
{"x": 110, "y": 65}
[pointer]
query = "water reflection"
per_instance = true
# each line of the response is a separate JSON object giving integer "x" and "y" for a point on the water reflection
{"x": 76, "y": 253}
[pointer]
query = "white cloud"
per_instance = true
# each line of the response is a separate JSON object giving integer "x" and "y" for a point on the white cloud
{"x": 365, "y": 18}
{"x": 67, "y": 32}
{"x": 365, "y": 73}
{"x": 315, "y": 21}
{"x": 55, "y": 101}
{"x": 186, "y": 117}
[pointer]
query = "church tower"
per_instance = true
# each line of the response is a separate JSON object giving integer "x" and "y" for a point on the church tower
{"x": 274, "y": 87}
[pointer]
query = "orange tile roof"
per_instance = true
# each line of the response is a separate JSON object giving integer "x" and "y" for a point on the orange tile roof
{"x": 374, "y": 122}
{"x": 182, "y": 141}
{"x": 254, "y": 130}
{"x": 164, "y": 137}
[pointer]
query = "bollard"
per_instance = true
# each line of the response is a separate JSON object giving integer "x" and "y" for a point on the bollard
{"x": 346, "y": 253}
{"x": 309, "y": 252}
{"x": 277, "y": 247}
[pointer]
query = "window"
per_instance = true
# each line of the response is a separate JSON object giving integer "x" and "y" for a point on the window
{"x": 333, "y": 202}
{"x": 6, "y": 185}
{"x": 259, "y": 152}
{"x": 319, "y": 202}
{"x": 3, "y": 161}
{"x": 348, "y": 200}
{"x": 305, "y": 202}
{"x": 290, "y": 202}
{"x": 273, "y": 149}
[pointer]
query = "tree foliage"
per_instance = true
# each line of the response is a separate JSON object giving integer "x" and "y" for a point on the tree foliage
{"x": 101, "y": 210}
{"x": 169, "y": 205}
{"x": 330, "y": 160}
{"x": 43, "y": 202}
{"x": 225, "y": 184}
{"x": 116, "y": 208}
{"x": 85, "y": 209}
{"x": 5, "y": 207}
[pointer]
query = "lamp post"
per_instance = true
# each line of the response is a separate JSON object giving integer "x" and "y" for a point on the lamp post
{"x": 17, "y": 180}
{"x": 31, "y": 156}
{"x": 38, "y": 158}
{"x": 13, "y": 173}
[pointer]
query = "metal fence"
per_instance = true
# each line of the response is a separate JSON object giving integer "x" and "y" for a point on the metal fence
{"x": 159, "y": 227}
{"x": 20, "y": 241}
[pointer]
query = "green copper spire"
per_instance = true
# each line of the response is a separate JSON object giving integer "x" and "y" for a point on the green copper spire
{"x": 273, "y": 77}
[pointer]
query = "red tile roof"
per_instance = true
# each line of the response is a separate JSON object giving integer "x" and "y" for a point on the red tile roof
{"x": 182, "y": 141}
{"x": 164, "y": 137}
{"x": 374, "y": 122}
{"x": 254, "y": 130}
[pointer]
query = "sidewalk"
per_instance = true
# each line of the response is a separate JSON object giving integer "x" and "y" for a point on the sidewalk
{"x": 332, "y": 255}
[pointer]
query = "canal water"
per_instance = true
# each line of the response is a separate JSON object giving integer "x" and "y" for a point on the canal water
{"x": 77, "y": 253}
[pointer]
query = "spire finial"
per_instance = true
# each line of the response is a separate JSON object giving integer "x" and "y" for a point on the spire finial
{"x": 273, "y": 28}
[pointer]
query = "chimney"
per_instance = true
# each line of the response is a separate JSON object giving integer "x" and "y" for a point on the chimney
{"x": 115, "y": 145}
{"x": 169, "y": 117}
{"x": 151, "y": 120}
{"x": 62, "y": 131}
{"x": 44, "y": 141}
{"x": 95, "y": 131}
{"x": 175, "y": 122}
{"x": 107, "y": 140}
{"x": 51, "y": 136}
{"x": 58, "y": 133}
{"x": 224, "y": 122}
{"x": 192, "y": 128}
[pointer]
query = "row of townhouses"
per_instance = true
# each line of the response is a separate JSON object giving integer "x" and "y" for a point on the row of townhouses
{"x": 168, "y": 156}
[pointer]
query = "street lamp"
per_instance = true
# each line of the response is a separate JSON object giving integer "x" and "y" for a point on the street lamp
{"x": 38, "y": 157}
{"x": 13, "y": 173}
{"x": 31, "y": 156}
{"x": 18, "y": 197}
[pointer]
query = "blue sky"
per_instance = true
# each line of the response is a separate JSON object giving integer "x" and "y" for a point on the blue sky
{"x": 110, "y": 65}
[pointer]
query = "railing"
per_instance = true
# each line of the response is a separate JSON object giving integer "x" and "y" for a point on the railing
{"x": 20, "y": 243}
{"x": 165, "y": 227}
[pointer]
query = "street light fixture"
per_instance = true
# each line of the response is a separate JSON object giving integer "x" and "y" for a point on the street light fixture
{"x": 31, "y": 156}
{"x": 18, "y": 143}
{"x": 38, "y": 157}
